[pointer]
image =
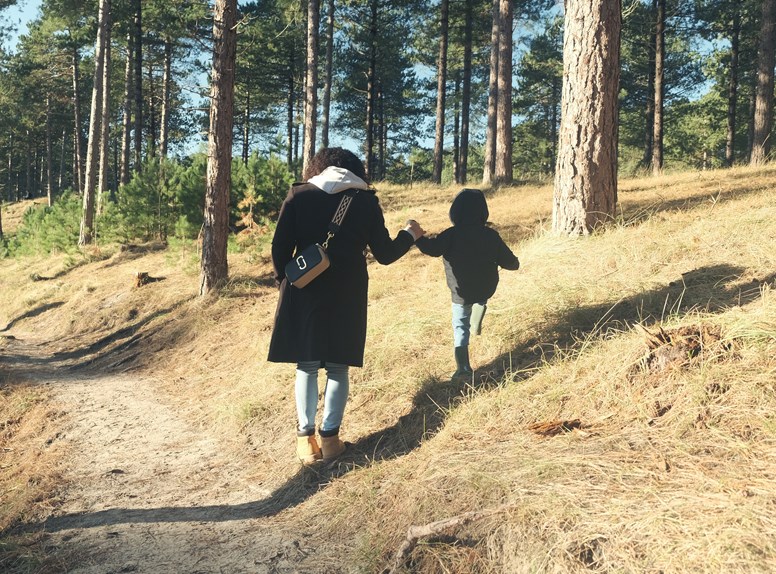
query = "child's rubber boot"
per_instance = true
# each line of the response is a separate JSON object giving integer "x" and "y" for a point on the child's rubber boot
{"x": 307, "y": 449}
{"x": 331, "y": 445}
{"x": 463, "y": 368}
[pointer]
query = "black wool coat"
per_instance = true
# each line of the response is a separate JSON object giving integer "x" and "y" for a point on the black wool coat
{"x": 326, "y": 319}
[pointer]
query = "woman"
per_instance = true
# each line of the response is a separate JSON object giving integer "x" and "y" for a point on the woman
{"x": 323, "y": 325}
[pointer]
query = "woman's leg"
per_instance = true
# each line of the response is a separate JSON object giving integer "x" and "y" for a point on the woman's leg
{"x": 306, "y": 390}
{"x": 334, "y": 397}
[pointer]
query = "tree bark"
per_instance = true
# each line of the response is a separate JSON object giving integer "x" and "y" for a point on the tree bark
{"x": 164, "y": 129}
{"x": 439, "y": 137}
{"x": 78, "y": 176}
{"x": 49, "y": 155}
{"x": 126, "y": 125}
{"x": 585, "y": 193}
{"x": 86, "y": 236}
{"x": 660, "y": 57}
{"x": 215, "y": 228}
{"x": 326, "y": 105}
{"x": 649, "y": 106}
{"x": 735, "y": 36}
{"x": 463, "y": 156}
{"x": 503, "y": 167}
{"x": 311, "y": 83}
{"x": 370, "y": 91}
{"x": 763, "y": 107}
{"x": 102, "y": 184}
{"x": 489, "y": 161}
{"x": 290, "y": 106}
{"x": 246, "y": 151}
{"x": 138, "y": 53}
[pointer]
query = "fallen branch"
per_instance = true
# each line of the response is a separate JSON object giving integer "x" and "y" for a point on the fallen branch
{"x": 415, "y": 533}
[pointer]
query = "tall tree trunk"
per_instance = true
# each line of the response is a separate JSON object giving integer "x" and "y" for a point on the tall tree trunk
{"x": 439, "y": 138}
{"x": 102, "y": 185}
{"x": 556, "y": 94}
{"x": 126, "y": 124}
{"x": 93, "y": 147}
{"x": 138, "y": 53}
{"x": 585, "y": 193}
{"x": 290, "y": 107}
{"x": 164, "y": 128}
{"x": 763, "y": 107}
{"x": 246, "y": 151}
{"x": 61, "y": 178}
{"x": 649, "y": 106}
{"x": 151, "y": 151}
{"x": 735, "y": 35}
{"x": 370, "y": 91}
{"x": 503, "y": 167}
{"x": 78, "y": 176}
{"x": 457, "y": 130}
{"x": 326, "y": 105}
{"x": 489, "y": 160}
{"x": 49, "y": 155}
{"x": 463, "y": 157}
{"x": 660, "y": 58}
{"x": 215, "y": 228}
{"x": 381, "y": 129}
{"x": 311, "y": 83}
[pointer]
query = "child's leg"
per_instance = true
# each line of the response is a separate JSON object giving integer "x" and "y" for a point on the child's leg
{"x": 461, "y": 324}
{"x": 306, "y": 391}
{"x": 461, "y": 327}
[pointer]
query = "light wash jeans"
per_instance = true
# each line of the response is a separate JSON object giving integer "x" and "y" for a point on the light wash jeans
{"x": 462, "y": 315}
{"x": 335, "y": 395}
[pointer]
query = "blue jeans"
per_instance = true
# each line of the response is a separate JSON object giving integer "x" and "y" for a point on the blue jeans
{"x": 335, "y": 395}
{"x": 462, "y": 315}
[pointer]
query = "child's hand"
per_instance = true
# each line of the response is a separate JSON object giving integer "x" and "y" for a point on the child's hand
{"x": 415, "y": 229}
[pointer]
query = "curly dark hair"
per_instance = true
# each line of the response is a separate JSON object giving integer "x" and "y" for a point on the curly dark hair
{"x": 338, "y": 157}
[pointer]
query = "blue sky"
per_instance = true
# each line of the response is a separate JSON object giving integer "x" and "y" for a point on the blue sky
{"x": 18, "y": 16}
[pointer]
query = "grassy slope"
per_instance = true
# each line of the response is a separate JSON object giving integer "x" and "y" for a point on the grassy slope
{"x": 671, "y": 471}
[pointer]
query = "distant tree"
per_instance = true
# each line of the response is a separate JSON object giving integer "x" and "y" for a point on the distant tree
{"x": 215, "y": 228}
{"x": 93, "y": 147}
{"x": 489, "y": 166}
{"x": 659, "y": 90}
{"x": 327, "y": 75}
{"x": 439, "y": 137}
{"x": 311, "y": 82}
{"x": 586, "y": 175}
{"x": 763, "y": 108}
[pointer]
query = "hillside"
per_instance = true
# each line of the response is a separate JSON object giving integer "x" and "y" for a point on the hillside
{"x": 620, "y": 418}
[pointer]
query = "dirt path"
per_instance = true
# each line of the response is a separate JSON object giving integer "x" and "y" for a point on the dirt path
{"x": 147, "y": 491}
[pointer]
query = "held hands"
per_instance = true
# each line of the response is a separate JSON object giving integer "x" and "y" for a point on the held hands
{"x": 414, "y": 228}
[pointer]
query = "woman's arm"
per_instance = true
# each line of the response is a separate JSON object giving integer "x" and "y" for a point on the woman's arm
{"x": 385, "y": 249}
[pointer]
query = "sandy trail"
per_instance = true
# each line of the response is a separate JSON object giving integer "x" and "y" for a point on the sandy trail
{"x": 146, "y": 490}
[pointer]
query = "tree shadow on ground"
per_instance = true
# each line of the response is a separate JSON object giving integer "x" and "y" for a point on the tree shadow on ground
{"x": 32, "y": 313}
{"x": 711, "y": 289}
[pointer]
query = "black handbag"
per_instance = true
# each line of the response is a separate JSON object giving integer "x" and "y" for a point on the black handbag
{"x": 313, "y": 260}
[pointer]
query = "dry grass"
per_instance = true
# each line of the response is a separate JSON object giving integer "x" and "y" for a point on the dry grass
{"x": 671, "y": 470}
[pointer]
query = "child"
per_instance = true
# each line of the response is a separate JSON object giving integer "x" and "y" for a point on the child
{"x": 472, "y": 254}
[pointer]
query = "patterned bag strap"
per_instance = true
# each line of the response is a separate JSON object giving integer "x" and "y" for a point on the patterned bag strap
{"x": 336, "y": 221}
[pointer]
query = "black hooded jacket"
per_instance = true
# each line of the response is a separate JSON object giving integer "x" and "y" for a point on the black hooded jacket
{"x": 472, "y": 251}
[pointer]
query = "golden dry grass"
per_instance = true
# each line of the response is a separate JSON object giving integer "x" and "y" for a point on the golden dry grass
{"x": 671, "y": 471}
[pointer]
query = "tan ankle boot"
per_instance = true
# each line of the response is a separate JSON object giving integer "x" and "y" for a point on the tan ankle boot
{"x": 307, "y": 449}
{"x": 331, "y": 447}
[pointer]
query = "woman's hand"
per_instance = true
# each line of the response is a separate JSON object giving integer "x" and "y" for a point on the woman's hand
{"x": 415, "y": 229}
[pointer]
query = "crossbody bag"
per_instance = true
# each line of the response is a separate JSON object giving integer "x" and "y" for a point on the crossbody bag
{"x": 313, "y": 260}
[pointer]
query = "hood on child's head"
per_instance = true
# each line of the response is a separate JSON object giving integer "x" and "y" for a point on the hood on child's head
{"x": 469, "y": 207}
